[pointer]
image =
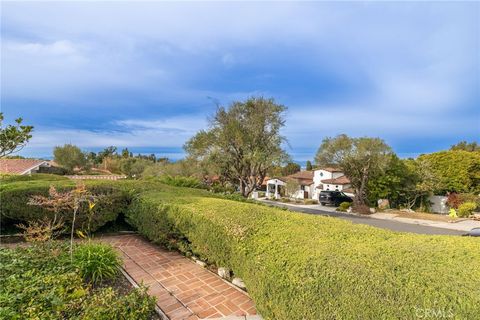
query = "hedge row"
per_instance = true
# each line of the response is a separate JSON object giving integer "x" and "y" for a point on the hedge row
{"x": 312, "y": 267}
{"x": 16, "y": 191}
{"x": 295, "y": 266}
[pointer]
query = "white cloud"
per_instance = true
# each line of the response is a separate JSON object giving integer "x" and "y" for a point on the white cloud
{"x": 419, "y": 63}
{"x": 168, "y": 132}
{"x": 308, "y": 125}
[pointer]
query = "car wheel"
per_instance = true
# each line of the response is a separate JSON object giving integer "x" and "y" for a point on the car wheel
{"x": 322, "y": 203}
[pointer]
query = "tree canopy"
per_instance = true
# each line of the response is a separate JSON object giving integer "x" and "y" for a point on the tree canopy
{"x": 456, "y": 170}
{"x": 13, "y": 138}
{"x": 308, "y": 165}
{"x": 70, "y": 157}
{"x": 242, "y": 143}
{"x": 360, "y": 159}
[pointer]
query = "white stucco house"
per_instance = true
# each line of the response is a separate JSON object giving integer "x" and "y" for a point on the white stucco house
{"x": 275, "y": 188}
{"x": 311, "y": 183}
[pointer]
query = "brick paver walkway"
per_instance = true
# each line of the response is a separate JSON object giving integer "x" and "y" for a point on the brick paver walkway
{"x": 184, "y": 289}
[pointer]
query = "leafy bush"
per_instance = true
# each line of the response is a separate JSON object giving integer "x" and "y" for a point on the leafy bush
{"x": 344, "y": 206}
{"x": 466, "y": 209}
{"x": 40, "y": 282}
{"x": 96, "y": 261}
{"x": 453, "y": 200}
{"x": 314, "y": 267}
{"x": 106, "y": 305}
{"x": 15, "y": 196}
{"x": 33, "y": 177}
{"x": 179, "y": 181}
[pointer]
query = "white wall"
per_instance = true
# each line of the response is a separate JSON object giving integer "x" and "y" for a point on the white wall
{"x": 319, "y": 175}
{"x": 438, "y": 204}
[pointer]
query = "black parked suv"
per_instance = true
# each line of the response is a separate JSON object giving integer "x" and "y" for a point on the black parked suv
{"x": 333, "y": 197}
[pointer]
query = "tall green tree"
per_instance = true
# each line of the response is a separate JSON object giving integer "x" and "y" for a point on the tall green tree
{"x": 70, "y": 157}
{"x": 125, "y": 153}
{"x": 13, "y": 138}
{"x": 309, "y": 166}
{"x": 291, "y": 168}
{"x": 424, "y": 183}
{"x": 243, "y": 142}
{"x": 393, "y": 182}
{"x": 360, "y": 159}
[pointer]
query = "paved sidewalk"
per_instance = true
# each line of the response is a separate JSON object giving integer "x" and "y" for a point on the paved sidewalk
{"x": 184, "y": 289}
{"x": 395, "y": 224}
{"x": 465, "y": 225}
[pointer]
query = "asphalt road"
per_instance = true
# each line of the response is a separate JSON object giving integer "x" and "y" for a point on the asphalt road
{"x": 379, "y": 223}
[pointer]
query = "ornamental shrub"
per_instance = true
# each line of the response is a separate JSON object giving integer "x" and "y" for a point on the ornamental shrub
{"x": 466, "y": 209}
{"x": 299, "y": 266}
{"x": 96, "y": 261}
{"x": 180, "y": 181}
{"x": 344, "y": 206}
{"x": 106, "y": 304}
{"x": 15, "y": 196}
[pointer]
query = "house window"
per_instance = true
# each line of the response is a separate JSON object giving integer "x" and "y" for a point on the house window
{"x": 302, "y": 188}
{"x": 321, "y": 174}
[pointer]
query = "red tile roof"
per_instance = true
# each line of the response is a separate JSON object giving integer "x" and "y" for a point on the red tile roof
{"x": 304, "y": 177}
{"x": 18, "y": 166}
{"x": 340, "y": 180}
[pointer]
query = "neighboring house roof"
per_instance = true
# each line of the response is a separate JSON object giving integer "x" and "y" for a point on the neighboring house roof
{"x": 280, "y": 181}
{"x": 19, "y": 166}
{"x": 340, "y": 180}
{"x": 303, "y": 177}
{"x": 331, "y": 169}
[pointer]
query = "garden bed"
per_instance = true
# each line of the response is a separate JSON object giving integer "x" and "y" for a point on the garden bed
{"x": 423, "y": 216}
{"x": 40, "y": 281}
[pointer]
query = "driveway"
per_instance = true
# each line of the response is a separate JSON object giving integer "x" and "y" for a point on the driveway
{"x": 379, "y": 223}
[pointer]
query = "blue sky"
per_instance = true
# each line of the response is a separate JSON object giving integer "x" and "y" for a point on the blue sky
{"x": 146, "y": 75}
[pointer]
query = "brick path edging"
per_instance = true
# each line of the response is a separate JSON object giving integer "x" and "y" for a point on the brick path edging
{"x": 159, "y": 311}
{"x": 183, "y": 289}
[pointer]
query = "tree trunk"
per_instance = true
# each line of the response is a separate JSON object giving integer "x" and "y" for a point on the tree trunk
{"x": 242, "y": 187}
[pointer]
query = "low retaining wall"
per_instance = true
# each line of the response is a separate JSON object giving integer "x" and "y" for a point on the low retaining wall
{"x": 95, "y": 177}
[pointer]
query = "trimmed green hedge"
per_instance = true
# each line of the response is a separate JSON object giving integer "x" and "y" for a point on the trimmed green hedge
{"x": 311, "y": 267}
{"x": 15, "y": 193}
